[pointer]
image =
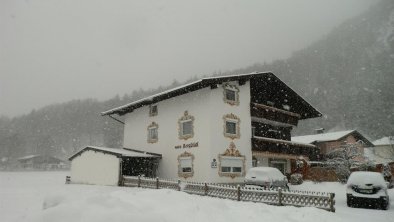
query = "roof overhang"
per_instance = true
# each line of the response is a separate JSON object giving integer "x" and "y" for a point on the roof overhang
{"x": 212, "y": 82}
{"x": 190, "y": 87}
{"x": 358, "y": 136}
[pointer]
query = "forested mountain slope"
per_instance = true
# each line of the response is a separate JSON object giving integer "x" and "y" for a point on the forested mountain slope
{"x": 348, "y": 76}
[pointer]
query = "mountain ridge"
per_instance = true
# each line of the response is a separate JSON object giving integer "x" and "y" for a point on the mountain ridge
{"x": 347, "y": 75}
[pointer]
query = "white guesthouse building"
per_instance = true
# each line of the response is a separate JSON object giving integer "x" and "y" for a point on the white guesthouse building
{"x": 213, "y": 129}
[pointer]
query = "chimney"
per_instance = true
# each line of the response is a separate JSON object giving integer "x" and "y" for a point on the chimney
{"x": 319, "y": 131}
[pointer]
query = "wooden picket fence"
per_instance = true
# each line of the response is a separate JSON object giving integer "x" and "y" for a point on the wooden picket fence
{"x": 273, "y": 197}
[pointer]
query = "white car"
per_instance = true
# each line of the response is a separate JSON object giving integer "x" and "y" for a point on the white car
{"x": 267, "y": 177}
{"x": 367, "y": 189}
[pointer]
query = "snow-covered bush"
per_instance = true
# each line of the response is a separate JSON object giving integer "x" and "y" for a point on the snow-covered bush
{"x": 342, "y": 159}
{"x": 296, "y": 179}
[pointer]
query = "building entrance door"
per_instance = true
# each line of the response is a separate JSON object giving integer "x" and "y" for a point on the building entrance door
{"x": 281, "y": 165}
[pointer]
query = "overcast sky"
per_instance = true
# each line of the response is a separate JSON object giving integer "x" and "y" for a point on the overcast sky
{"x": 53, "y": 51}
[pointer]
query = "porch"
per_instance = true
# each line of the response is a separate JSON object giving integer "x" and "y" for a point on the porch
{"x": 289, "y": 157}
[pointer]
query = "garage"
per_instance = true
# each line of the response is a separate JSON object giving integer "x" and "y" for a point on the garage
{"x": 106, "y": 166}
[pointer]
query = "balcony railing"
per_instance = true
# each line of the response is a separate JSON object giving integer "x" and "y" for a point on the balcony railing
{"x": 263, "y": 144}
{"x": 273, "y": 114}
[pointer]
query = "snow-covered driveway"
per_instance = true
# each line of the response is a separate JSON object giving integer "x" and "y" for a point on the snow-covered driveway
{"x": 43, "y": 196}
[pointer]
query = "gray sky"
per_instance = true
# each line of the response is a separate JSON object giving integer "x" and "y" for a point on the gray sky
{"x": 53, "y": 51}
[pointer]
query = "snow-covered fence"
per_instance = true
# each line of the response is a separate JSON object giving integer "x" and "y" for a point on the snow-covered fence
{"x": 274, "y": 197}
{"x": 153, "y": 183}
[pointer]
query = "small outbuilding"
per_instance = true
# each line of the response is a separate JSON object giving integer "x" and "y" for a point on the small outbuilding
{"x": 41, "y": 162}
{"x": 106, "y": 166}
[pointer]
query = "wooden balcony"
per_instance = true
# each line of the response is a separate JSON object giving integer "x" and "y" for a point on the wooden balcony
{"x": 263, "y": 144}
{"x": 273, "y": 114}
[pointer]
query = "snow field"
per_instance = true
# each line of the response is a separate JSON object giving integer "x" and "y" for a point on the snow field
{"x": 43, "y": 196}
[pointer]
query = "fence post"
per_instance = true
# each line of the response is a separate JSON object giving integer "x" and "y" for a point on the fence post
{"x": 238, "y": 192}
{"x": 280, "y": 196}
{"x": 139, "y": 181}
{"x": 121, "y": 181}
{"x": 205, "y": 189}
{"x": 179, "y": 185}
{"x": 157, "y": 183}
{"x": 68, "y": 179}
{"x": 332, "y": 202}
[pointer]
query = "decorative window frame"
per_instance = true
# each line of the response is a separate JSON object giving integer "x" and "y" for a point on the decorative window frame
{"x": 151, "y": 112}
{"x": 231, "y": 153}
{"x": 235, "y": 119}
{"x": 152, "y": 126}
{"x": 185, "y": 118}
{"x": 185, "y": 155}
{"x": 233, "y": 88}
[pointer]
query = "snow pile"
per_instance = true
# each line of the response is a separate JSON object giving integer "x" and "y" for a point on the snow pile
{"x": 43, "y": 196}
{"x": 134, "y": 204}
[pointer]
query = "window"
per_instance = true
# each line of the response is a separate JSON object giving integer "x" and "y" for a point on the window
{"x": 153, "y": 132}
{"x": 185, "y": 165}
{"x": 280, "y": 164}
{"x": 185, "y": 126}
{"x": 153, "y": 110}
{"x": 231, "y": 126}
{"x": 230, "y": 94}
{"x": 232, "y": 163}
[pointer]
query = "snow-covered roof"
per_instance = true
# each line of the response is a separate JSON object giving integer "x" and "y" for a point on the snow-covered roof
{"x": 36, "y": 155}
{"x": 27, "y": 157}
{"x": 326, "y": 137}
{"x": 150, "y": 98}
{"x": 369, "y": 153}
{"x": 388, "y": 140}
{"x": 285, "y": 142}
{"x": 124, "y": 152}
{"x": 304, "y": 107}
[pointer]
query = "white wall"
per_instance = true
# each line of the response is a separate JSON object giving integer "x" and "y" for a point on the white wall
{"x": 207, "y": 107}
{"x": 93, "y": 167}
{"x": 218, "y": 142}
{"x": 169, "y": 111}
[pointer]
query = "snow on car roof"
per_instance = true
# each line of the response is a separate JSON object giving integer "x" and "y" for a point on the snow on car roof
{"x": 365, "y": 177}
{"x": 269, "y": 172}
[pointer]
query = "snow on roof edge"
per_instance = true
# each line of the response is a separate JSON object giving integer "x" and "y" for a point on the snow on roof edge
{"x": 285, "y": 141}
{"x": 388, "y": 140}
{"x": 116, "y": 151}
{"x": 322, "y": 137}
{"x": 108, "y": 112}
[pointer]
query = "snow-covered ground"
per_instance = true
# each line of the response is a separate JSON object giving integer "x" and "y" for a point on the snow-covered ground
{"x": 43, "y": 196}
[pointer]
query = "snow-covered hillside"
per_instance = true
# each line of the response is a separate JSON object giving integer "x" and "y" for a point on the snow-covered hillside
{"x": 43, "y": 196}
